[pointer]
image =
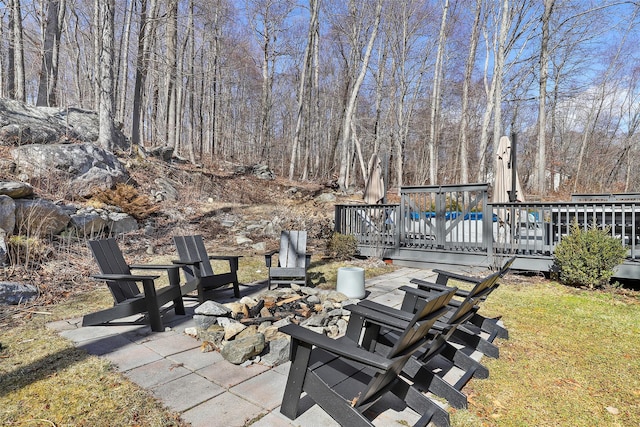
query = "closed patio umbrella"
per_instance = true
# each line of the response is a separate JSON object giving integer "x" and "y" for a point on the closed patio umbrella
{"x": 503, "y": 184}
{"x": 503, "y": 174}
{"x": 374, "y": 190}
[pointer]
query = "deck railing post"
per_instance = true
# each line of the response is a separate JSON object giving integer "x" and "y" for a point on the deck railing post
{"x": 337, "y": 218}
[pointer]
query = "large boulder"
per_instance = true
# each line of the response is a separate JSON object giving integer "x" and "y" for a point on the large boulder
{"x": 88, "y": 224}
{"x": 241, "y": 350}
{"x": 21, "y": 123}
{"x": 120, "y": 223}
{"x": 16, "y": 190}
{"x": 83, "y": 167}
{"x": 17, "y": 293}
{"x": 39, "y": 217}
{"x": 7, "y": 214}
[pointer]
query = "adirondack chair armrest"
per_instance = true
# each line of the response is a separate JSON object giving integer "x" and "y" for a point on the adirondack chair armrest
{"x": 178, "y": 262}
{"x": 268, "y": 256}
{"x": 425, "y": 285}
{"x": 339, "y": 347}
{"x": 421, "y": 293}
{"x": 225, "y": 257}
{"x": 449, "y": 275}
{"x": 233, "y": 260}
{"x": 389, "y": 319}
{"x": 124, "y": 277}
{"x": 154, "y": 266}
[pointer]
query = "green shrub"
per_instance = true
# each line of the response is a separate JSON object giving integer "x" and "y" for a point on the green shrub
{"x": 342, "y": 246}
{"x": 588, "y": 257}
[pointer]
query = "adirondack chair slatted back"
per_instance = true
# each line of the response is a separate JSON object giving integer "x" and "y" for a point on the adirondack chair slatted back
{"x": 485, "y": 285}
{"x": 192, "y": 247}
{"x": 412, "y": 337}
{"x": 507, "y": 266}
{"x": 422, "y": 321}
{"x": 110, "y": 261}
{"x": 293, "y": 249}
{"x": 459, "y": 314}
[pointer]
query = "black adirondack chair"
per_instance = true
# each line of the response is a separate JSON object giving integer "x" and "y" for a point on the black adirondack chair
{"x": 127, "y": 298}
{"x": 377, "y": 327}
{"x": 345, "y": 379}
{"x": 481, "y": 289}
{"x": 293, "y": 260}
{"x": 198, "y": 271}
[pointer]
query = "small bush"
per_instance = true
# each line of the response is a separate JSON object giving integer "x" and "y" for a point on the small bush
{"x": 588, "y": 257}
{"x": 127, "y": 198}
{"x": 342, "y": 246}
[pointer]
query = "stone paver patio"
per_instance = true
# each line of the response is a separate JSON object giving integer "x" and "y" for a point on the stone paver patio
{"x": 206, "y": 389}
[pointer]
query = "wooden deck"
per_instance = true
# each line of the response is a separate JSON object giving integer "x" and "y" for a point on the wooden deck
{"x": 456, "y": 225}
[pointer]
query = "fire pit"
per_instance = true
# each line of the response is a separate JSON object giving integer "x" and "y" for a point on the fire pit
{"x": 246, "y": 331}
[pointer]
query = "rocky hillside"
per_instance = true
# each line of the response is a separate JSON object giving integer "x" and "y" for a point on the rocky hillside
{"x": 235, "y": 207}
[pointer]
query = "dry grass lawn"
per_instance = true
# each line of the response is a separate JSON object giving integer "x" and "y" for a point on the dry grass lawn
{"x": 571, "y": 359}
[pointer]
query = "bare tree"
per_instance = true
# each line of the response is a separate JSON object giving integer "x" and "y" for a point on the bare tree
{"x": 542, "y": 95}
{"x": 436, "y": 89}
{"x": 405, "y": 30}
{"x": 171, "y": 76}
{"x": 15, "y": 73}
{"x": 353, "y": 97}
{"x": 123, "y": 60}
{"x": 304, "y": 86}
{"x": 50, "y": 55}
{"x": 267, "y": 21}
{"x": 106, "y": 134}
{"x": 145, "y": 34}
{"x": 466, "y": 84}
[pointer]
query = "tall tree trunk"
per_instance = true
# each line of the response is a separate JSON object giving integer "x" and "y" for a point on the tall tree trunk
{"x": 107, "y": 131}
{"x": 97, "y": 52}
{"x": 542, "y": 102}
{"x": 172, "y": 59}
{"x": 303, "y": 86}
{"x": 435, "y": 98}
{"x": 315, "y": 114}
{"x": 265, "y": 104}
{"x": 468, "y": 72}
{"x": 146, "y": 25}
{"x": 51, "y": 47}
{"x": 351, "y": 104}
{"x": 498, "y": 74}
{"x": 3, "y": 74}
{"x": 16, "y": 74}
{"x": 122, "y": 86}
{"x": 489, "y": 89}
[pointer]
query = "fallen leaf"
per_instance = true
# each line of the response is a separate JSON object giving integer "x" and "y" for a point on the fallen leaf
{"x": 612, "y": 410}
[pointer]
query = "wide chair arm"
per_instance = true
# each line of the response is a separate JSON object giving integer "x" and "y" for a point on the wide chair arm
{"x": 225, "y": 257}
{"x": 341, "y": 347}
{"x": 234, "y": 260}
{"x": 268, "y": 257}
{"x": 430, "y": 286}
{"x": 124, "y": 277}
{"x": 444, "y": 276}
{"x": 173, "y": 271}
